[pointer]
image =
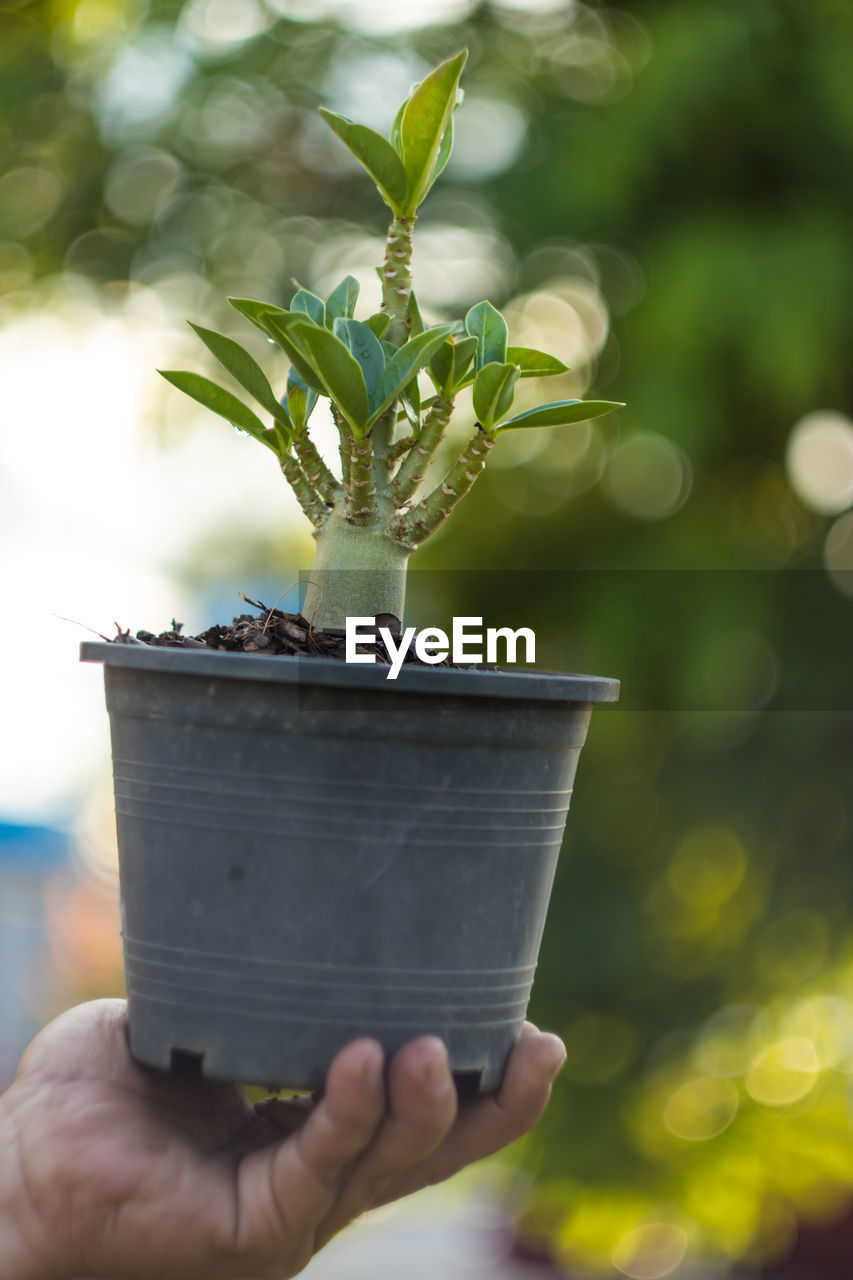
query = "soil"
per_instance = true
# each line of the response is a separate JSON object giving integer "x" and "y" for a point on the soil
{"x": 272, "y": 632}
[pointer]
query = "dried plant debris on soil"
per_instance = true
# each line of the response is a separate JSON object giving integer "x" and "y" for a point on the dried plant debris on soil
{"x": 274, "y": 632}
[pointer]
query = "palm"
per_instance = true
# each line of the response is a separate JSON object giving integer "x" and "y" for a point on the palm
{"x": 138, "y": 1174}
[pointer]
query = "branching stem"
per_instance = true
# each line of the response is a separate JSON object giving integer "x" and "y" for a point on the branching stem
{"x": 318, "y": 474}
{"x": 413, "y": 527}
{"x": 414, "y": 468}
{"x": 311, "y": 502}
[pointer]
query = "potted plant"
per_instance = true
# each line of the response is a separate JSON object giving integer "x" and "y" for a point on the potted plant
{"x": 310, "y": 851}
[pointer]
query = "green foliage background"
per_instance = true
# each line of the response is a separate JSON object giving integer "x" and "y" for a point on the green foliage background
{"x": 691, "y": 164}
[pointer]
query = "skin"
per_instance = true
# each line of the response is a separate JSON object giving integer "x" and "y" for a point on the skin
{"x": 109, "y": 1169}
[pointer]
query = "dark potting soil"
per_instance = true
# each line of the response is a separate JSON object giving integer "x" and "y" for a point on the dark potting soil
{"x": 274, "y": 632}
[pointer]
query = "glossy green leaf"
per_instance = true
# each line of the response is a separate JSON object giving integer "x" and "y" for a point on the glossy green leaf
{"x": 443, "y": 155}
{"x": 485, "y": 323}
{"x": 297, "y": 406}
{"x": 378, "y": 323}
{"x": 341, "y": 301}
{"x": 562, "y": 413}
{"x": 362, "y": 342}
{"x": 535, "y": 364}
{"x": 425, "y": 118}
{"x": 416, "y": 324}
{"x": 410, "y": 399}
{"x": 307, "y": 303}
{"x": 280, "y": 325}
{"x": 311, "y": 396}
{"x": 214, "y": 397}
{"x": 493, "y": 392}
{"x": 243, "y": 368}
{"x": 339, "y": 372}
{"x": 404, "y": 365}
{"x": 441, "y": 366}
{"x": 257, "y": 312}
{"x": 375, "y": 154}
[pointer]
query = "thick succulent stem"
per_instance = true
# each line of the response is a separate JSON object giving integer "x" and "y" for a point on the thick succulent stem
{"x": 357, "y": 572}
{"x": 415, "y": 526}
{"x": 318, "y": 474}
{"x": 397, "y": 279}
{"x": 414, "y": 468}
{"x": 312, "y": 503}
{"x": 361, "y": 506}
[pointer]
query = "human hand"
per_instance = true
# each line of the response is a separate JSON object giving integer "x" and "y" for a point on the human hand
{"x": 110, "y": 1169}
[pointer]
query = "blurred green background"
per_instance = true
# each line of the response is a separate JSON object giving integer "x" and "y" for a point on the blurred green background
{"x": 663, "y": 195}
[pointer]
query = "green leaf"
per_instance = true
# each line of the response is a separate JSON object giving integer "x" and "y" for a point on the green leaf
{"x": 416, "y": 324}
{"x": 243, "y": 368}
{"x": 257, "y": 312}
{"x": 341, "y": 301}
{"x": 297, "y": 405}
{"x": 308, "y": 304}
{"x": 222, "y": 402}
{"x": 485, "y": 323}
{"x": 365, "y": 346}
{"x": 449, "y": 365}
{"x": 443, "y": 155}
{"x": 441, "y": 366}
{"x": 410, "y": 398}
{"x": 280, "y": 325}
{"x": 424, "y": 121}
{"x": 396, "y": 136}
{"x": 339, "y": 371}
{"x": 404, "y": 365}
{"x": 375, "y": 154}
{"x": 535, "y": 364}
{"x": 562, "y": 413}
{"x": 378, "y": 323}
{"x": 294, "y": 380}
{"x": 493, "y": 392}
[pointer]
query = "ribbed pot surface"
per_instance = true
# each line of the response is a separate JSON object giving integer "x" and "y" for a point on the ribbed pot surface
{"x": 309, "y": 856}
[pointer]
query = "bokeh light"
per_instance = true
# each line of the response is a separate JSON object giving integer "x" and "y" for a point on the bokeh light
{"x": 819, "y": 459}
{"x": 648, "y": 476}
{"x": 651, "y": 1251}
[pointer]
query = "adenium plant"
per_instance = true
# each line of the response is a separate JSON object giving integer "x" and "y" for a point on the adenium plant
{"x": 368, "y": 523}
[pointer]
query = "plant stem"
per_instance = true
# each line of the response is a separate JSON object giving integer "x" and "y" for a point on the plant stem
{"x": 318, "y": 474}
{"x": 397, "y": 279}
{"x": 398, "y": 450}
{"x": 357, "y": 572}
{"x": 312, "y": 503}
{"x": 345, "y": 447}
{"x": 383, "y": 435}
{"x": 361, "y": 506}
{"x": 414, "y": 526}
{"x": 414, "y": 468}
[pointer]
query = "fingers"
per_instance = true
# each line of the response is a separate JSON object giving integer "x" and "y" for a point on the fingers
{"x": 88, "y": 1041}
{"x": 285, "y": 1190}
{"x": 485, "y": 1125}
{"x": 422, "y": 1109}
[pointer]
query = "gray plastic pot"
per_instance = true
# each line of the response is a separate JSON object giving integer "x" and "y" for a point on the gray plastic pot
{"x": 310, "y": 852}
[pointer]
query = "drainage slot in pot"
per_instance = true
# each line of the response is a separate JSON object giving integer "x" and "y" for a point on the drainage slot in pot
{"x": 468, "y": 1082}
{"x": 185, "y": 1063}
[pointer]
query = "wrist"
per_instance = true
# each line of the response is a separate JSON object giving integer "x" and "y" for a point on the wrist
{"x": 25, "y": 1246}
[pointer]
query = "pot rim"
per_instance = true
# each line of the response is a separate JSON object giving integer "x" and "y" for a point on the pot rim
{"x": 546, "y": 686}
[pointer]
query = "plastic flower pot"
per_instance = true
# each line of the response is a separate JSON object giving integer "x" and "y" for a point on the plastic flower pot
{"x": 310, "y": 852}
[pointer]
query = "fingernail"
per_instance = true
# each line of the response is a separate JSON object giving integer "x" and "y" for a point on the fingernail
{"x": 433, "y": 1068}
{"x": 371, "y": 1069}
{"x": 557, "y": 1061}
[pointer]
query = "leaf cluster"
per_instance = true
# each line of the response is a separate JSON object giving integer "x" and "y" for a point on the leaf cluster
{"x": 365, "y": 376}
